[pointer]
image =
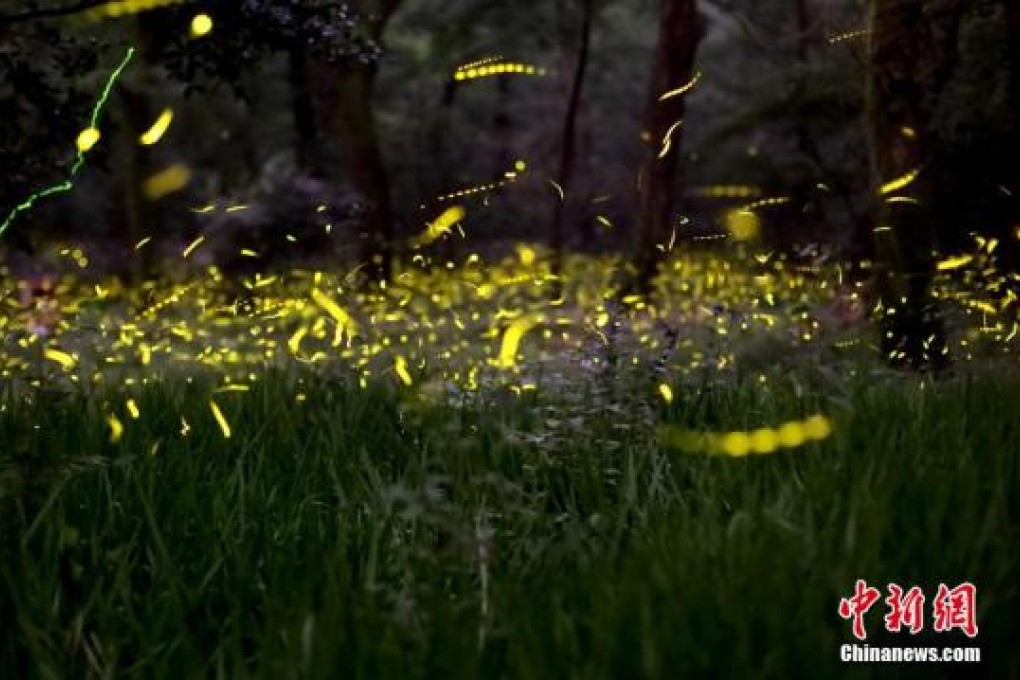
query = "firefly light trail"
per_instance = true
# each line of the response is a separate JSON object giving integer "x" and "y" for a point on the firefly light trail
{"x": 79, "y": 162}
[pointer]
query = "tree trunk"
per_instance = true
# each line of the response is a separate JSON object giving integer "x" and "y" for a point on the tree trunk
{"x": 912, "y": 54}
{"x": 353, "y": 125}
{"x": 441, "y": 180}
{"x": 306, "y": 130}
{"x": 1011, "y": 255}
{"x": 501, "y": 125}
{"x": 681, "y": 28}
{"x": 565, "y": 175}
{"x": 363, "y": 161}
{"x": 140, "y": 218}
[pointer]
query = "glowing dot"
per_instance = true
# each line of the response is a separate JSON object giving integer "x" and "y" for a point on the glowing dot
{"x": 667, "y": 393}
{"x": 201, "y": 25}
{"x": 167, "y": 182}
{"x": 791, "y": 435}
{"x": 62, "y": 358}
{"x": 512, "y": 341}
{"x": 817, "y": 427}
{"x": 521, "y": 166}
{"x": 900, "y": 182}
{"x": 158, "y": 129}
{"x": 192, "y": 247}
{"x": 88, "y": 138}
{"x": 743, "y": 225}
{"x": 400, "y": 365}
{"x": 764, "y": 441}
{"x": 527, "y": 255}
{"x": 220, "y": 419}
{"x": 116, "y": 429}
{"x": 736, "y": 444}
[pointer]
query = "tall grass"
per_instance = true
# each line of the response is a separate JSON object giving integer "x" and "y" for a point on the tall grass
{"x": 364, "y": 533}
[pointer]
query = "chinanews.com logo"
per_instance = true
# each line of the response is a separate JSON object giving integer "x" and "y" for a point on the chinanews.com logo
{"x": 952, "y": 609}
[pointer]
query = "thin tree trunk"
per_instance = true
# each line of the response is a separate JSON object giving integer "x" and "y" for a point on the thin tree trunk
{"x": 441, "y": 181}
{"x": 1011, "y": 255}
{"x": 803, "y": 39}
{"x": 365, "y": 168}
{"x": 565, "y": 175}
{"x": 681, "y": 30}
{"x": 303, "y": 106}
{"x": 141, "y": 218}
{"x": 501, "y": 125}
{"x": 353, "y": 124}
{"x": 911, "y": 59}
{"x": 137, "y": 211}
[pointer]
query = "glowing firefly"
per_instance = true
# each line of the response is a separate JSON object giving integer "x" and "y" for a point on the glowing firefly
{"x": 158, "y": 129}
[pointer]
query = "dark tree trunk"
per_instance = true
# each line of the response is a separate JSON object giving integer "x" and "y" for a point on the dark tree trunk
{"x": 441, "y": 180}
{"x": 568, "y": 154}
{"x": 140, "y": 217}
{"x": 912, "y": 54}
{"x": 306, "y": 130}
{"x": 803, "y": 22}
{"x": 501, "y": 125}
{"x": 681, "y": 28}
{"x": 366, "y": 170}
{"x": 1011, "y": 255}
{"x": 352, "y": 117}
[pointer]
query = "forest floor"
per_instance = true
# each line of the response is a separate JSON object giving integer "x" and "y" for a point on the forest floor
{"x": 470, "y": 473}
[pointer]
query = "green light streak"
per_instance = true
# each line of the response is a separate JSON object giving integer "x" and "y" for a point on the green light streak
{"x": 68, "y": 184}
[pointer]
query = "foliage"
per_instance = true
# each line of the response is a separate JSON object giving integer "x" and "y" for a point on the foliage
{"x": 248, "y": 32}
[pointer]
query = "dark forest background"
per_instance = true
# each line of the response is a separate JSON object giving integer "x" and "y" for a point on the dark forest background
{"x": 336, "y": 131}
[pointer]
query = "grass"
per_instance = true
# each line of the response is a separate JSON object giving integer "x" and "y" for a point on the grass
{"x": 368, "y": 533}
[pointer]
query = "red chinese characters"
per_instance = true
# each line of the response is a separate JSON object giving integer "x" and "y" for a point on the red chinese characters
{"x": 956, "y": 608}
{"x": 904, "y": 610}
{"x": 952, "y": 608}
{"x": 856, "y": 607}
